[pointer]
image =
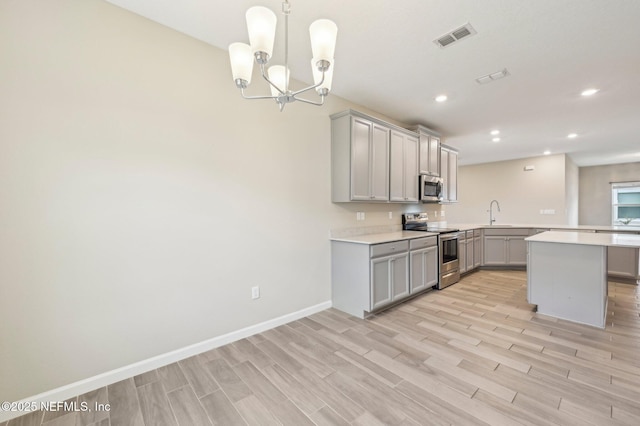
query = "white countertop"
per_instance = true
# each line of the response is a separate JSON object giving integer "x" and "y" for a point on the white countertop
{"x": 587, "y": 238}
{"x": 617, "y": 228}
{"x": 384, "y": 238}
{"x": 387, "y": 237}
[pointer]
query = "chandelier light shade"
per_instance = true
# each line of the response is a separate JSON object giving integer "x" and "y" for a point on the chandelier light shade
{"x": 241, "y": 55}
{"x": 279, "y": 77}
{"x": 261, "y": 23}
{"x": 261, "y": 26}
{"x": 323, "y": 34}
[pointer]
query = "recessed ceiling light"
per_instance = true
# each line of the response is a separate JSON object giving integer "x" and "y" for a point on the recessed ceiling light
{"x": 495, "y": 132}
{"x": 589, "y": 92}
{"x": 572, "y": 135}
{"x": 547, "y": 152}
{"x": 441, "y": 98}
{"x": 496, "y": 139}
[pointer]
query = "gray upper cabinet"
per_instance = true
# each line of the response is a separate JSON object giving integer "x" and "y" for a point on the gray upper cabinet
{"x": 429, "y": 151}
{"x": 372, "y": 160}
{"x": 403, "y": 182}
{"x": 453, "y": 176}
{"x": 444, "y": 171}
{"x": 369, "y": 161}
{"x": 449, "y": 173}
{"x": 359, "y": 158}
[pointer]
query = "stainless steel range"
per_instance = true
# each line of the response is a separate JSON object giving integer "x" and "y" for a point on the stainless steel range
{"x": 447, "y": 245}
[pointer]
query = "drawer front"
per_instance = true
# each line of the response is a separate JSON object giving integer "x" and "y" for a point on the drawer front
{"x": 469, "y": 234}
{"x": 507, "y": 232}
{"x": 420, "y": 243}
{"x": 378, "y": 250}
{"x": 477, "y": 232}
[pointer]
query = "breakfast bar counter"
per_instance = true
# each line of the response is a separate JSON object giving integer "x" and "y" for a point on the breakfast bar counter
{"x": 567, "y": 273}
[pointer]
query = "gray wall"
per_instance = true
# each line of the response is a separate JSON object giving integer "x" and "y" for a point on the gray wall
{"x": 521, "y": 194}
{"x": 130, "y": 167}
{"x": 595, "y": 190}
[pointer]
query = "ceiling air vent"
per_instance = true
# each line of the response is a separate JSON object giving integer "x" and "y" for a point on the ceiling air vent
{"x": 492, "y": 77}
{"x": 455, "y": 35}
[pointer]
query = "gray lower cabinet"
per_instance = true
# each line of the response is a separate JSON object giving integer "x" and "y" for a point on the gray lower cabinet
{"x": 505, "y": 247}
{"x": 477, "y": 248}
{"x": 469, "y": 250}
{"x": 495, "y": 250}
{"x": 369, "y": 277}
{"x": 623, "y": 262}
{"x": 423, "y": 263}
{"x": 517, "y": 251}
{"x": 462, "y": 252}
{"x": 469, "y": 255}
{"x": 389, "y": 280}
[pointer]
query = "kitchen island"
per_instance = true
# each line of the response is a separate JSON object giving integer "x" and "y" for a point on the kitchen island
{"x": 567, "y": 273}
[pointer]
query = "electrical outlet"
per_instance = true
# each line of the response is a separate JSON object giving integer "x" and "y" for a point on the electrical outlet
{"x": 255, "y": 292}
{"x": 390, "y": 215}
{"x": 442, "y": 213}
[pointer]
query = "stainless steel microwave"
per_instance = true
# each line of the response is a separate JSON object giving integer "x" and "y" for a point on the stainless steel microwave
{"x": 430, "y": 189}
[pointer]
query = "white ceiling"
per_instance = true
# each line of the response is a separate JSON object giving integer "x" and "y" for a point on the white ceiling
{"x": 387, "y": 61}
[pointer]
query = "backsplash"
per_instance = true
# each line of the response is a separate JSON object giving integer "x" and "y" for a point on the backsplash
{"x": 377, "y": 229}
{"x": 364, "y": 230}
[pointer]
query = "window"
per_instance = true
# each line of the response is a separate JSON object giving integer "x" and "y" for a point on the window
{"x": 625, "y": 202}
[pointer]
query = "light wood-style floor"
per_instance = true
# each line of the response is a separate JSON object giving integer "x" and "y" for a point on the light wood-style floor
{"x": 474, "y": 353}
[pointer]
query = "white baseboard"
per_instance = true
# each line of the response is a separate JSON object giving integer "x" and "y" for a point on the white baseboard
{"x": 83, "y": 386}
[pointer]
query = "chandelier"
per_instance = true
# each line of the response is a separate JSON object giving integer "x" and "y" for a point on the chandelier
{"x": 261, "y": 25}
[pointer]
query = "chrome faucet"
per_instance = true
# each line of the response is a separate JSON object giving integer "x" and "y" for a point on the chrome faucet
{"x": 491, "y": 219}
